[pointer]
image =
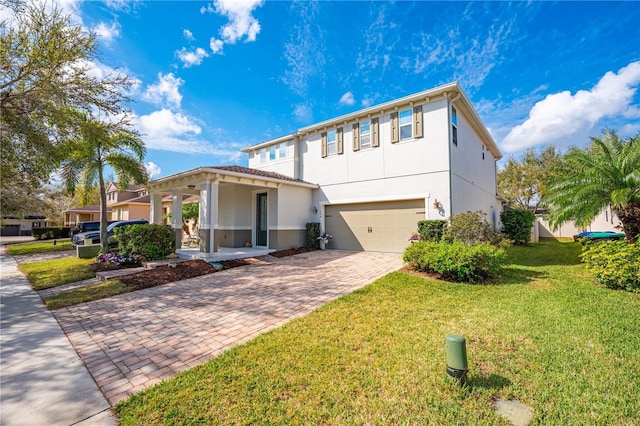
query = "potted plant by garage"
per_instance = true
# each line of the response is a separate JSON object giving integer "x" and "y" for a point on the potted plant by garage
{"x": 324, "y": 239}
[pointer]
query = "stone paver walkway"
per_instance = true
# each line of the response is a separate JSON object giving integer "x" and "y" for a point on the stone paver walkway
{"x": 132, "y": 341}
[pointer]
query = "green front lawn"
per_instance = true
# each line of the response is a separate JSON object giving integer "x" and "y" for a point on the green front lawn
{"x": 39, "y": 247}
{"x": 546, "y": 335}
{"x": 104, "y": 289}
{"x": 53, "y": 273}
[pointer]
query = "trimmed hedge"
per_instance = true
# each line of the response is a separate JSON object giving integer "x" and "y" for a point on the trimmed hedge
{"x": 431, "y": 230}
{"x": 152, "y": 242}
{"x": 615, "y": 264}
{"x": 517, "y": 225}
{"x": 456, "y": 261}
{"x": 313, "y": 232}
{"x": 50, "y": 233}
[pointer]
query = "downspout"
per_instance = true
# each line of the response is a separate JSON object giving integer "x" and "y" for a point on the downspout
{"x": 451, "y": 101}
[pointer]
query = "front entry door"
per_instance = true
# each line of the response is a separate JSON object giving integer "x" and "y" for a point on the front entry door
{"x": 261, "y": 219}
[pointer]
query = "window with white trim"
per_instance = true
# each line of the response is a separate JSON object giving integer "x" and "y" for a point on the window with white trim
{"x": 282, "y": 150}
{"x": 365, "y": 134}
{"x": 454, "y": 126}
{"x": 111, "y": 196}
{"x": 272, "y": 152}
{"x": 406, "y": 124}
{"x": 263, "y": 155}
{"x": 332, "y": 142}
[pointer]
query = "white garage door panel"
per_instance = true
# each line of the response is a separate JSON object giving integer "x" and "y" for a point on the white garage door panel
{"x": 373, "y": 226}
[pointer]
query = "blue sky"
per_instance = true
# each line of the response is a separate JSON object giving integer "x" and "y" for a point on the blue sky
{"x": 213, "y": 77}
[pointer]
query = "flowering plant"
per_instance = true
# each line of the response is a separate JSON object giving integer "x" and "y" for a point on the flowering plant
{"x": 325, "y": 237}
{"x": 115, "y": 258}
{"x": 415, "y": 237}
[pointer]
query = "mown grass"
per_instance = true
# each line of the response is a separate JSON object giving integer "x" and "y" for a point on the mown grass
{"x": 87, "y": 294}
{"x": 52, "y": 273}
{"x": 545, "y": 335}
{"x": 38, "y": 247}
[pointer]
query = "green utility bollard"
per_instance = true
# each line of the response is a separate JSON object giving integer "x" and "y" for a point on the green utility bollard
{"x": 456, "y": 357}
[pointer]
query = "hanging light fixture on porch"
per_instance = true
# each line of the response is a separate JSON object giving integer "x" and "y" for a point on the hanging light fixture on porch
{"x": 191, "y": 186}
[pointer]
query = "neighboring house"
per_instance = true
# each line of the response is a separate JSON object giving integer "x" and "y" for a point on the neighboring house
{"x": 82, "y": 214}
{"x": 368, "y": 177}
{"x": 129, "y": 204}
{"x": 605, "y": 221}
{"x": 14, "y": 227}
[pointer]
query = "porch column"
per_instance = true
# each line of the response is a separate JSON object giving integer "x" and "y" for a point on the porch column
{"x": 204, "y": 216}
{"x": 214, "y": 214}
{"x": 156, "y": 208}
{"x": 176, "y": 216}
{"x": 208, "y": 216}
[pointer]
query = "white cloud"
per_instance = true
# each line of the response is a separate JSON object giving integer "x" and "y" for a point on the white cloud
{"x": 153, "y": 169}
{"x": 165, "y": 92}
{"x": 190, "y": 58}
{"x": 165, "y": 130}
{"x": 188, "y": 35}
{"x": 303, "y": 113}
{"x": 207, "y": 9}
{"x": 305, "y": 51}
{"x": 562, "y": 115}
{"x": 242, "y": 24}
{"x": 347, "y": 99}
{"x": 165, "y": 122}
{"x": 107, "y": 33}
{"x": 216, "y": 45}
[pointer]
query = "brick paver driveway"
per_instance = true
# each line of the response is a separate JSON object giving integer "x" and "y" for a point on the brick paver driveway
{"x": 134, "y": 340}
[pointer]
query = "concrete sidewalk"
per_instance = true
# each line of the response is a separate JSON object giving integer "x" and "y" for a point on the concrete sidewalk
{"x": 42, "y": 379}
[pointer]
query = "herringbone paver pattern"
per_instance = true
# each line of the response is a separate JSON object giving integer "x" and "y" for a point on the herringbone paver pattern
{"x": 134, "y": 340}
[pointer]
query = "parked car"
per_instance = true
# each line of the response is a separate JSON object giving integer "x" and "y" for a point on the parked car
{"x": 82, "y": 227}
{"x": 94, "y": 236}
{"x": 599, "y": 236}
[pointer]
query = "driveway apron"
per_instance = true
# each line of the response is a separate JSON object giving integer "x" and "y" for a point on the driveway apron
{"x": 42, "y": 379}
{"x": 132, "y": 341}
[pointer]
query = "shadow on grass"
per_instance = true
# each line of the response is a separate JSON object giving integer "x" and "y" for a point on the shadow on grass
{"x": 514, "y": 275}
{"x": 492, "y": 381}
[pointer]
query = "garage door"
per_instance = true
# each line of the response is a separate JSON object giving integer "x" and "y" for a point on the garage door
{"x": 383, "y": 226}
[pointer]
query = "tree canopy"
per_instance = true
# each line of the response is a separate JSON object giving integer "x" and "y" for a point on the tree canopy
{"x": 99, "y": 145}
{"x": 524, "y": 182}
{"x": 588, "y": 180}
{"x": 49, "y": 70}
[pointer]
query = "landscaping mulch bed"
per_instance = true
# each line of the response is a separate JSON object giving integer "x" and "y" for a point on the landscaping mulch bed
{"x": 165, "y": 274}
{"x": 184, "y": 270}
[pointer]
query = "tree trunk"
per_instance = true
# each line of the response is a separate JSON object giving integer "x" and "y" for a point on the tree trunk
{"x": 103, "y": 212}
{"x": 630, "y": 218}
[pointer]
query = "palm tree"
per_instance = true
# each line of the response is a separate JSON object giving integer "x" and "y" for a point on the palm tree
{"x": 588, "y": 180}
{"x": 100, "y": 144}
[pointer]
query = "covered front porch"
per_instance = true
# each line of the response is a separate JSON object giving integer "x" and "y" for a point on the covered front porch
{"x": 242, "y": 212}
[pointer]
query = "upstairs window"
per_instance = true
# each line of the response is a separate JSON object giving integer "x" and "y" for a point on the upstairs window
{"x": 454, "y": 126}
{"x": 332, "y": 143}
{"x": 282, "y": 150}
{"x": 406, "y": 124}
{"x": 272, "y": 152}
{"x": 365, "y": 134}
{"x": 263, "y": 155}
{"x": 111, "y": 196}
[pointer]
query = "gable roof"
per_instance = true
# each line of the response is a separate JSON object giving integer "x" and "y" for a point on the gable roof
{"x": 232, "y": 174}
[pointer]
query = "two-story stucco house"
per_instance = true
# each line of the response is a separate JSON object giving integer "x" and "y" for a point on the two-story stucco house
{"x": 368, "y": 177}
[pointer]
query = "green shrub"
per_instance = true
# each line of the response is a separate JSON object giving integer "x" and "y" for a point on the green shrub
{"x": 456, "y": 261}
{"x": 431, "y": 230}
{"x": 149, "y": 241}
{"x": 517, "y": 225}
{"x": 616, "y": 264}
{"x": 313, "y": 232}
{"x": 472, "y": 228}
{"x": 50, "y": 233}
